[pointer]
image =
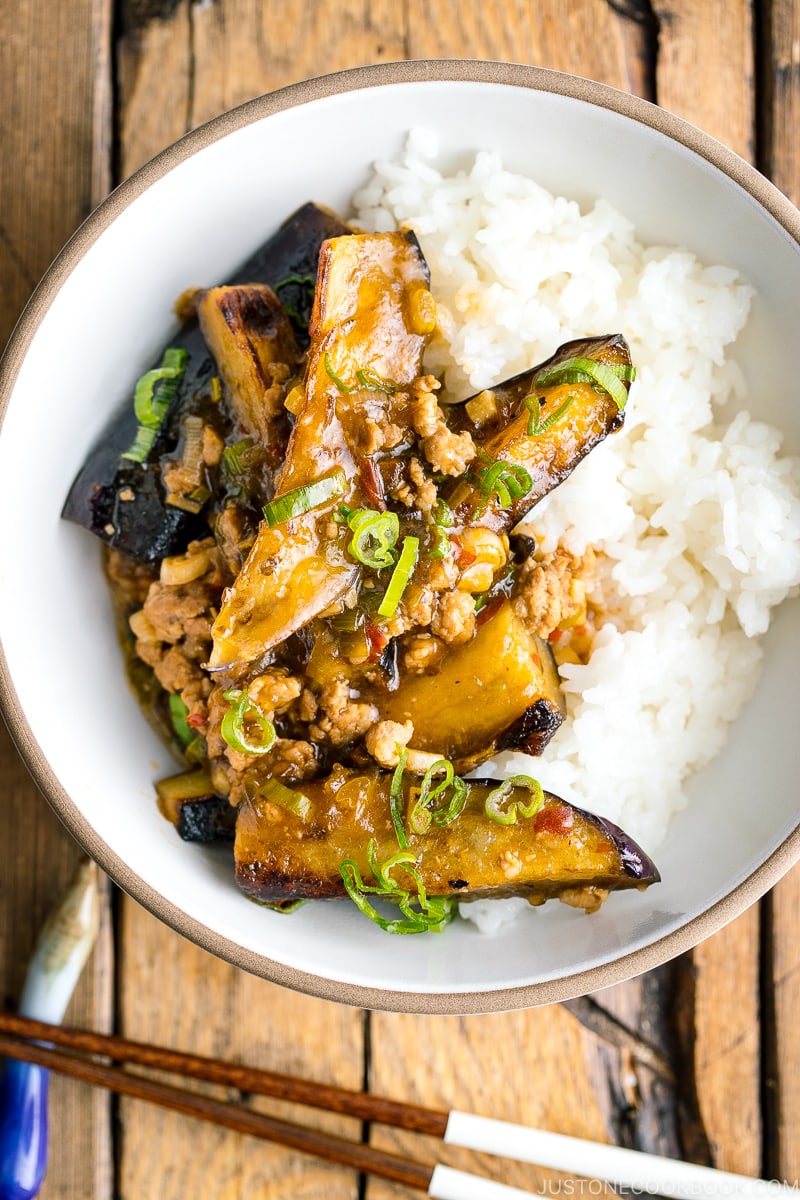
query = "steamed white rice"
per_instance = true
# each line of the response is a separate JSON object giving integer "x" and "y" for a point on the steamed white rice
{"x": 698, "y": 520}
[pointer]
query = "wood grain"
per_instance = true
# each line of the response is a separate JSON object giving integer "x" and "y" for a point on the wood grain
{"x": 55, "y": 139}
{"x": 706, "y": 71}
{"x": 780, "y": 72}
{"x": 176, "y": 995}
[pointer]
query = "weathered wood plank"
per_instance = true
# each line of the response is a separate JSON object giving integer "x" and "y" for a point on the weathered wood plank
{"x": 587, "y": 38}
{"x": 55, "y": 133}
{"x": 779, "y": 24}
{"x": 706, "y": 69}
{"x": 174, "y": 994}
{"x": 527, "y": 1067}
{"x": 200, "y": 59}
{"x": 780, "y": 71}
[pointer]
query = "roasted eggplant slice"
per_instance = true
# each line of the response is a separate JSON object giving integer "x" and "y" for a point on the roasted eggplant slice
{"x": 189, "y": 801}
{"x": 547, "y": 442}
{"x": 561, "y": 850}
{"x": 124, "y": 503}
{"x": 249, "y": 334}
{"x": 372, "y": 316}
{"x": 498, "y": 691}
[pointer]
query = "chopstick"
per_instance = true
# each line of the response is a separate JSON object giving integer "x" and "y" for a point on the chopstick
{"x": 626, "y": 1168}
{"x": 246, "y": 1079}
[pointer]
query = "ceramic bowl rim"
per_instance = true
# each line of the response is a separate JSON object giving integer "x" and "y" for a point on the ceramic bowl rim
{"x": 354, "y": 79}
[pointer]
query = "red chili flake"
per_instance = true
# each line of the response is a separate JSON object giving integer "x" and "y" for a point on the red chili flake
{"x": 555, "y": 818}
{"x": 377, "y": 640}
{"x": 372, "y": 484}
{"x": 464, "y": 557}
{"x": 556, "y": 635}
{"x": 197, "y": 720}
{"x": 489, "y": 610}
{"x": 537, "y": 662}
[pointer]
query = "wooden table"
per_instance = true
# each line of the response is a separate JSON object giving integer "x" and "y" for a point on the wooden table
{"x": 92, "y": 88}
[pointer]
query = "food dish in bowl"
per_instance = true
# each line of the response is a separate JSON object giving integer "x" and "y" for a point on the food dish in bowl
{"x": 512, "y": 969}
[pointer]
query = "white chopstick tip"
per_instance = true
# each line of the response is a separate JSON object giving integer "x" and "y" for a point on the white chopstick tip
{"x": 647, "y": 1174}
{"x": 449, "y": 1184}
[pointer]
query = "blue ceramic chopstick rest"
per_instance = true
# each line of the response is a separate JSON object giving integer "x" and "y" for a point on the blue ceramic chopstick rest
{"x": 60, "y": 954}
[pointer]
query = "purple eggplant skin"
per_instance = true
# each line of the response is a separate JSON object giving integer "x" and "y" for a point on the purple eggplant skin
{"x": 144, "y": 527}
{"x": 211, "y": 819}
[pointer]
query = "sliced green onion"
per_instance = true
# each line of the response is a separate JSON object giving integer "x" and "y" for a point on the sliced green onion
{"x": 302, "y": 499}
{"x": 400, "y": 577}
{"x": 232, "y": 456}
{"x": 431, "y": 913}
{"x": 537, "y": 426}
{"x": 611, "y": 377}
{"x": 508, "y": 481}
{"x": 150, "y": 403}
{"x": 374, "y": 536}
{"x": 442, "y": 514}
{"x": 341, "y": 385}
{"x": 495, "y": 801}
{"x": 153, "y": 394}
{"x": 294, "y": 802}
{"x": 441, "y": 545}
{"x": 396, "y": 801}
{"x": 374, "y": 382}
{"x": 425, "y": 810}
{"x": 232, "y": 726}
{"x": 178, "y": 712}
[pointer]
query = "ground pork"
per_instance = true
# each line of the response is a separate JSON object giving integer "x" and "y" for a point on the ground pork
{"x": 448, "y": 453}
{"x": 345, "y": 720}
{"x": 553, "y": 590}
{"x": 454, "y": 619}
{"x": 130, "y": 580}
{"x": 421, "y": 653}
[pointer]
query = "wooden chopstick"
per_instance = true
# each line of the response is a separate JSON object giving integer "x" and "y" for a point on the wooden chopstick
{"x": 592, "y": 1160}
{"x": 358, "y": 1155}
{"x": 246, "y": 1079}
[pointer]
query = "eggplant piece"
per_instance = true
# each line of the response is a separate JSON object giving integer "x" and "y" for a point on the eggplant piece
{"x": 189, "y": 801}
{"x": 550, "y": 456}
{"x": 249, "y": 334}
{"x": 124, "y": 503}
{"x": 372, "y": 316}
{"x": 499, "y": 691}
{"x": 561, "y": 850}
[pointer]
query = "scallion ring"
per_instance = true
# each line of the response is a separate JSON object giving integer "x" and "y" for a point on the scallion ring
{"x": 233, "y": 730}
{"x": 302, "y": 499}
{"x": 374, "y": 382}
{"x": 495, "y": 801}
{"x": 331, "y": 373}
{"x": 611, "y": 377}
{"x": 431, "y": 913}
{"x": 426, "y": 810}
{"x": 374, "y": 536}
{"x": 537, "y": 426}
{"x": 400, "y": 577}
{"x": 294, "y": 802}
{"x": 153, "y": 394}
{"x": 506, "y": 480}
{"x": 396, "y": 800}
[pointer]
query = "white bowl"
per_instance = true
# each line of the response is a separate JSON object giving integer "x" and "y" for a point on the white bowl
{"x": 97, "y": 320}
